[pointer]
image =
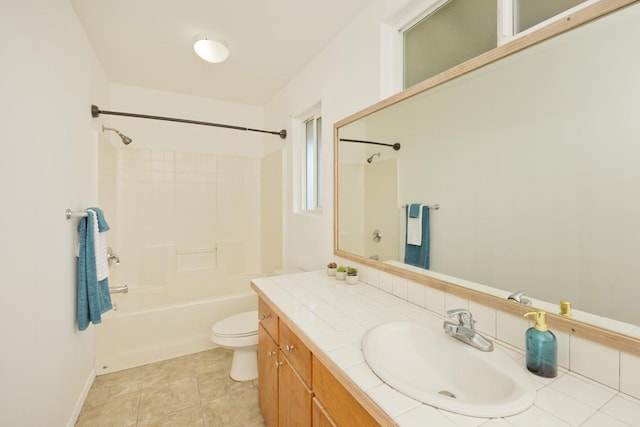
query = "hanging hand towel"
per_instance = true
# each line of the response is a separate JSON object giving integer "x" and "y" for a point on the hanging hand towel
{"x": 93, "y": 294}
{"x": 414, "y": 224}
{"x": 98, "y": 227}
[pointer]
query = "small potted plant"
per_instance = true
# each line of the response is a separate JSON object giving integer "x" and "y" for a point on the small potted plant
{"x": 341, "y": 273}
{"x": 331, "y": 269}
{"x": 352, "y": 275}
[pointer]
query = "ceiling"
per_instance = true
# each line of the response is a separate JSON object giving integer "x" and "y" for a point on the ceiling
{"x": 149, "y": 43}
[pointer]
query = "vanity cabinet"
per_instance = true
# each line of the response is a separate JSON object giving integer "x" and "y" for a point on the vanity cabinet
{"x": 284, "y": 366}
{"x": 295, "y": 388}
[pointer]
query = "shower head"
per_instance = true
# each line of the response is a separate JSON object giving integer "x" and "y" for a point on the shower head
{"x": 370, "y": 159}
{"x": 125, "y": 139}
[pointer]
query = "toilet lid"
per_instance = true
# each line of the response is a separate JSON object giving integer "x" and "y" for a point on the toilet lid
{"x": 238, "y": 325}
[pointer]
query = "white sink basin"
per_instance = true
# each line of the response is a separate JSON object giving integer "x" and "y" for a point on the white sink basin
{"x": 441, "y": 371}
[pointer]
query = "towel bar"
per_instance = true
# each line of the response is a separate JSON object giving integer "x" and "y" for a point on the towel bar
{"x": 433, "y": 207}
{"x": 119, "y": 290}
{"x": 74, "y": 214}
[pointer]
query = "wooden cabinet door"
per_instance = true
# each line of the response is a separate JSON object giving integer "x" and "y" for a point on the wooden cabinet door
{"x": 294, "y": 398}
{"x": 268, "y": 377}
{"x": 319, "y": 416}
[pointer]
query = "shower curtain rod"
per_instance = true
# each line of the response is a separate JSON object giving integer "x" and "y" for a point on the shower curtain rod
{"x": 395, "y": 146}
{"x": 96, "y": 111}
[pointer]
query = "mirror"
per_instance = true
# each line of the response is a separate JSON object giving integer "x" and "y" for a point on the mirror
{"x": 533, "y": 159}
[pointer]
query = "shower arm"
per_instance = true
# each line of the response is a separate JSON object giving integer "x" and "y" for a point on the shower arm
{"x": 96, "y": 111}
{"x": 395, "y": 146}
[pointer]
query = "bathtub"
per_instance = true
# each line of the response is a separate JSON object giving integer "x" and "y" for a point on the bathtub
{"x": 129, "y": 339}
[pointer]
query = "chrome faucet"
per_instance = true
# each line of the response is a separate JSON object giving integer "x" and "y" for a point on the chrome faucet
{"x": 520, "y": 297}
{"x": 465, "y": 330}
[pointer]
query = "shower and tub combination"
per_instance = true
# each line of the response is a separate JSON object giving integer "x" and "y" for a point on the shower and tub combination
{"x": 189, "y": 244}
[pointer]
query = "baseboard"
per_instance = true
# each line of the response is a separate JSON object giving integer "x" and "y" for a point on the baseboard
{"x": 82, "y": 398}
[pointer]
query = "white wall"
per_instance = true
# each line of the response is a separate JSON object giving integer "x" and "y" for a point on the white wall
{"x": 165, "y": 135}
{"x": 345, "y": 78}
{"x": 48, "y": 79}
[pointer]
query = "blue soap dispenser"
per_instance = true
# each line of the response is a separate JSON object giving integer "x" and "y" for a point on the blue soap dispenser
{"x": 542, "y": 347}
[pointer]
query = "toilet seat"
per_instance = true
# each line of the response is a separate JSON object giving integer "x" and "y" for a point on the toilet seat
{"x": 239, "y": 325}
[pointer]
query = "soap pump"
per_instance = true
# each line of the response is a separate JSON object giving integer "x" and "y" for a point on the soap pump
{"x": 542, "y": 347}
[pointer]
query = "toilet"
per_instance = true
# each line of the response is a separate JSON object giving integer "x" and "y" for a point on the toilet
{"x": 240, "y": 334}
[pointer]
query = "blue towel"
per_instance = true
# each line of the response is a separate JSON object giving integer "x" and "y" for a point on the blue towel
{"x": 93, "y": 296}
{"x": 418, "y": 255}
{"x": 414, "y": 210}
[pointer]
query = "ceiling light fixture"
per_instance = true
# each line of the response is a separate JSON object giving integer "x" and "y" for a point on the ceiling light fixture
{"x": 211, "y": 50}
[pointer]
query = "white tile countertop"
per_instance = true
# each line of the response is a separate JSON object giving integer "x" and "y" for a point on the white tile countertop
{"x": 335, "y": 316}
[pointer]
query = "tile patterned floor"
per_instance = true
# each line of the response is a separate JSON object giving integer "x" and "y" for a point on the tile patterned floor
{"x": 193, "y": 390}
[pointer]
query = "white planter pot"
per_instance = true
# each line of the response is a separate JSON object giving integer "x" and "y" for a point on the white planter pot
{"x": 340, "y": 275}
{"x": 352, "y": 280}
{"x": 331, "y": 271}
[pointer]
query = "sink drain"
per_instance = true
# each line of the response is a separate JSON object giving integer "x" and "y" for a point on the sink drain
{"x": 447, "y": 393}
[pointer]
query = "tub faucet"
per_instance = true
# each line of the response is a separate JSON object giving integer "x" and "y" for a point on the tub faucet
{"x": 520, "y": 297}
{"x": 112, "y": 257}
{"x": 465, "y": 330}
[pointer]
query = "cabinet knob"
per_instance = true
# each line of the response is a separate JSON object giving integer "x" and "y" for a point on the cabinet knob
{"x": 288, "y": 347}
{"x": 278, "y": 364}
{"x": 265, "y": 316}
{"x": 271, "y": 353}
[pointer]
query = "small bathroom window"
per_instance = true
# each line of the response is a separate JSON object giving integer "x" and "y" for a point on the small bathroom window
{"x": 312, "y": 162}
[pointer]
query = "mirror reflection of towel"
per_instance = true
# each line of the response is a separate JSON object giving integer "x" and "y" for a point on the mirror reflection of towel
{"x": 414, "y": 225}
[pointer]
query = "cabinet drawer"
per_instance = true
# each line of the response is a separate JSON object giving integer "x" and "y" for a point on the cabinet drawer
{"x": 296, "y": 352}
{"x": 268, "y": 319}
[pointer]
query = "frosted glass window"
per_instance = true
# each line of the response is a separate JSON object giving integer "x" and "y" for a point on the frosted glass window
{"x": 319, "y": 162}
{"x": 531, "y": 12}
{"x": 454, "y": 33}
{"x": 310, "y": 202}
{"x": 312, "y": 197}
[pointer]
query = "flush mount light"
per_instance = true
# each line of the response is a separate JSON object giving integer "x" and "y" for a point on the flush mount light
{"x": 211, "y": 50}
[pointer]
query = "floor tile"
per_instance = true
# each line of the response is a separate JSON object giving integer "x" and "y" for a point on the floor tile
{"x": 121, "y": 410}
{"x": 238, "y": 409}
{"x": 167, "y": 398}
{"x": 116, "y": 384}
{"x": 188, "y": 417}
{"x": 193, "y": 390}
{"x": 168, "y": 370}
{"x": 215, "y": 383}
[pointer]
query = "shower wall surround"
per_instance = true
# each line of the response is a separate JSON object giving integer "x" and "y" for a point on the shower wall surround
{"x": 188, "y": 223}
{"x": 187, "y": 229}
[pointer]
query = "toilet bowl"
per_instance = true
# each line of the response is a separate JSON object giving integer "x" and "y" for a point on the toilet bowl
{"x": 240, "y": 334}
